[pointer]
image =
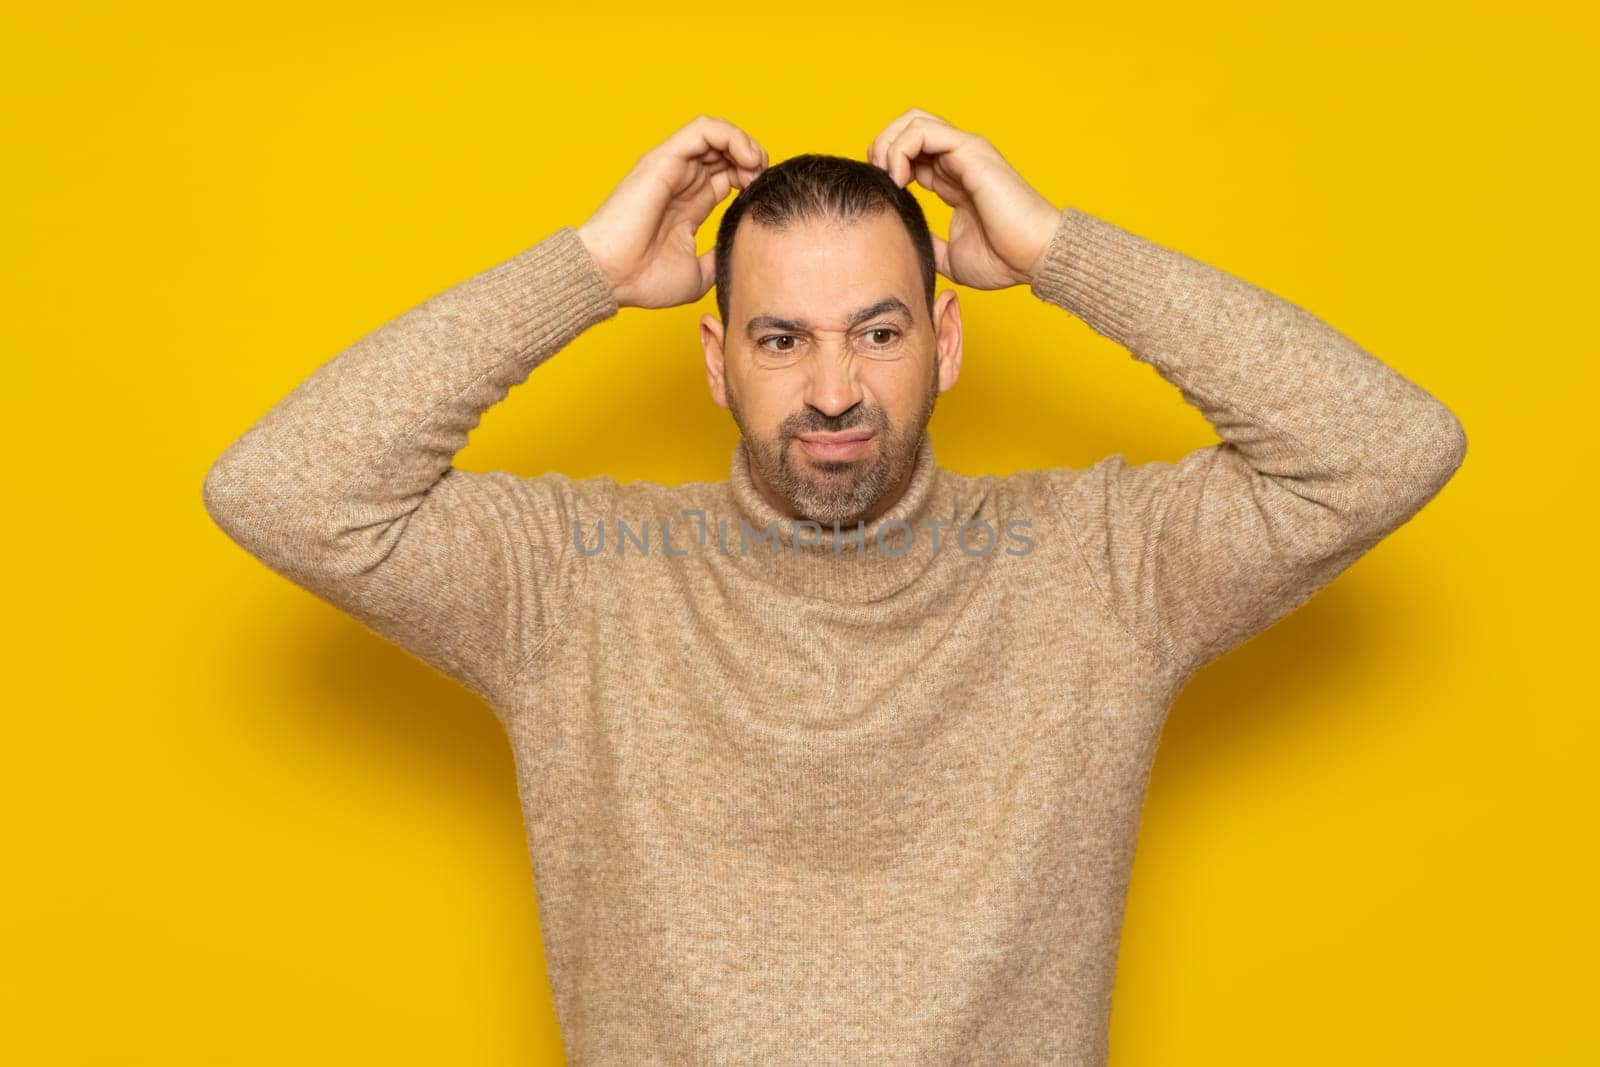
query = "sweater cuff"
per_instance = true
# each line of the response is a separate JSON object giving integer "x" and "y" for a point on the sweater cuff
{"x": 1106, "y": 276}
{"x": 542, "y": 298}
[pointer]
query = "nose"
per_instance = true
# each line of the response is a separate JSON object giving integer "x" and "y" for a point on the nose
{"x": 833, "y": 387}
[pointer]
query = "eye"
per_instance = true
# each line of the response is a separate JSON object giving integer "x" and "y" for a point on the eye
{"x": 893, "y": 335}
{"x": 777, "y": 337}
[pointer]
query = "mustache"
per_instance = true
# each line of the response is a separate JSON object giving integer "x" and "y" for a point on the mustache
{"x": 813, "y": 421}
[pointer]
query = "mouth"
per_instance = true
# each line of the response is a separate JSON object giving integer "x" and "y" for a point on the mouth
{"x": 846, "y": 445}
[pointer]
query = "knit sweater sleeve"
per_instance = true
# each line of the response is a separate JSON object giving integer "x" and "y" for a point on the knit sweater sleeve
{"x": 347, "y": 485}
{"x": 1324, "y": 449}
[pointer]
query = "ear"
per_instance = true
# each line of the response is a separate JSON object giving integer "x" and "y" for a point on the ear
{"x": 947, "y": 335}
{"x": 711, "y": 341}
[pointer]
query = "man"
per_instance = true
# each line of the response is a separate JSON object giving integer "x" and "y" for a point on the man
{"x": 840, "y": 760}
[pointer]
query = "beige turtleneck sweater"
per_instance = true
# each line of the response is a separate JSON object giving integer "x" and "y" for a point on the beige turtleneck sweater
{"x": 872, "y": 802}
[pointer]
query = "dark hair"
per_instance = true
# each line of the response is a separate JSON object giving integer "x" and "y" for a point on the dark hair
{"x": 817, "y": 186}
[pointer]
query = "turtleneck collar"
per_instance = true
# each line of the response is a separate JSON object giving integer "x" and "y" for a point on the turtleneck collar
{"x": 861, "y": 563}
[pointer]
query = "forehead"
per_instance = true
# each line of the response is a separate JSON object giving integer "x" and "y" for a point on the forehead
{"x": 820, "y": 270}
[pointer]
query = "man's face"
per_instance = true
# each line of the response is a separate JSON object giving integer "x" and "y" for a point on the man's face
{"x": 829, "y": 362}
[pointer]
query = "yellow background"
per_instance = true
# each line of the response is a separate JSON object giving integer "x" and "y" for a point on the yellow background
{"x": 239, "y": 828}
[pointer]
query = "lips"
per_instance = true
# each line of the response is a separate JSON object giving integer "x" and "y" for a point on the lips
{"x": 846, "y": 445}
{"x": 836, "y": 438}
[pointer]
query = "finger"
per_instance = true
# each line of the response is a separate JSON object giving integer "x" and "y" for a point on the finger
{"x": 735, "y": 178}
{"x": 891, "y": 131}
{"x": 713, "y": 156}
{"x": 720, "y": 179}
{"x": 921, "y": 137}
{"x": 703, "y": 147}
{"x": 941, "y": 255}
{"x": 758, "y": 154}
{"x": 739, "y": 175}
{"x": 887, "y": 134}
{"x": 719, "y": 134}
{"x": 708, "y": 270}
{"x": 882, "y": 137}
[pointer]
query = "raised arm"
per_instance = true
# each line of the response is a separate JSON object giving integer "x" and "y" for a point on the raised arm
{"x": 347, "y": 486}
{"x": 1324, "y": 450}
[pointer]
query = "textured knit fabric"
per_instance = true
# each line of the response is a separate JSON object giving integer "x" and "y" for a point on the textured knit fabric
{"x": 855, "y": 797}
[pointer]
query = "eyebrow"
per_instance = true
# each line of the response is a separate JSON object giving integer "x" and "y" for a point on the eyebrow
{"x": 888, "y": 305}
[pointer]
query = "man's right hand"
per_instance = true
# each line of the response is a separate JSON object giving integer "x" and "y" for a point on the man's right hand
{"x": 643, "y": 236}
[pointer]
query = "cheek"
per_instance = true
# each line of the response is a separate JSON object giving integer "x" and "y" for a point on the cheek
{"x": 900, "y": 389}
{"x": 767, "y": 399}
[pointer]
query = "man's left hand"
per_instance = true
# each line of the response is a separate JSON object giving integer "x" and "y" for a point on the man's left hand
{"x": 1001, "y": 226}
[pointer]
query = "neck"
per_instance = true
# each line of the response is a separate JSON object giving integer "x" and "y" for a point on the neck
{"x": 867, "y": 559}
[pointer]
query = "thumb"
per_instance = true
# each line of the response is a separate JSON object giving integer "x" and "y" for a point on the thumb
{"x": 708, "y": 270}
{"x": 941, "y": 255}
